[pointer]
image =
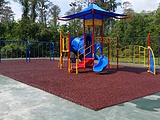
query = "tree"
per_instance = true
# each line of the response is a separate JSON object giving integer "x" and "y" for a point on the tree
{"x": 23, "y": 29}
{"x": 2, "y": 4}
{"x": 43, "y": 8}
{"x": 54, "y": 13}
{"x": 7, "y": 15}
{"x": 2, "y": 30}
{"x": 25, "y": 7}
{"x": 157, "y": 21}
{"x": 126, "y": 6}
{"x": 74, "y": 26}
{"x": 108, "y": 5}
{"x": 34, "y": 6}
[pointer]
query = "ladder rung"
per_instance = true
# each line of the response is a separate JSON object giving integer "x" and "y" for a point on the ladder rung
{"x": 141, "y": 52}
{"x": 65, "y": 50}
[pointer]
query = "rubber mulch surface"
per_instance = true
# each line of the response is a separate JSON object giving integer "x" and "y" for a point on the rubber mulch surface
{"x": 87, "y": 88}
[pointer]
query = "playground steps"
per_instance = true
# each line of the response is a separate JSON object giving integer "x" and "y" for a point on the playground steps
{"x": 86, "y": 62}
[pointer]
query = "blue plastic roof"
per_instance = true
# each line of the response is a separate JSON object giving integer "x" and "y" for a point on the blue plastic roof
{"x": 99, "y": 13}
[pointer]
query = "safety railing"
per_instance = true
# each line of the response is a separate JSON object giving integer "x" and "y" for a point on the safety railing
{"x": 83, "y": 53}
{"x": 78, "y": 53}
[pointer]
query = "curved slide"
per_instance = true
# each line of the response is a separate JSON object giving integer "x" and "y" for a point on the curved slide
{"x": 96, "y": 47}
{"x": 102, "y": 63}
{"x": 78, "y": 42}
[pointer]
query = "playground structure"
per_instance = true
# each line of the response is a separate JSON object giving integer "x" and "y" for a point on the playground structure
{"x": 131, "y": 54}
{"x": 26, "y": 49}
{"x": 84, "y": 47}
{"x": 76, "y": 45}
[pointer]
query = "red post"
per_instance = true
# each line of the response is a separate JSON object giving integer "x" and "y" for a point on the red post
{"x": 117, "y": 52}
{"x": 84, "y": 33}
{"x": 102, "y": 29}
{"x": 93, "y": 36}
{"x": 68, "y": 46}
{"x": 149, "y": 44}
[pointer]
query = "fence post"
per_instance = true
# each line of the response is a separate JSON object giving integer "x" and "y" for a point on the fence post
{"x": 51, "y": 51}
{"x": 159, "y": 51}
{"x": 0, "y": 54}
{"x": 27, "y": 51}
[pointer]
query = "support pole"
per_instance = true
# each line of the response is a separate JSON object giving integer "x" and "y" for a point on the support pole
{"x": 102, "y": 35}
{"x": 149, "y": 44}
{"x": 27, "y": 51}
{"x": 0, "y": 54}
{"x": 93, "y": 36}
{"x": 108, "y": 53}
{"x": 51, "y": 51}
{"x": 77, "y": 60}
{"x": 61, "y": 60}
{"x": 68, "y": 49}
{"x": 117, "y": 51}
{"x": 42, "y": 49}
{"x": 159, "y": 51}
{"x": 84, "y": 33}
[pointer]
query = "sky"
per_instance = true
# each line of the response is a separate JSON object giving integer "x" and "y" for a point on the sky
{"x": 137, "y": 5}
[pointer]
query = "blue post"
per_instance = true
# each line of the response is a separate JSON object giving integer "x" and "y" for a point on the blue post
{"x": 0, "y": 54}
{"x": 27, "y": 51}
{"x": 51, "y": 51}
{"x": 1, "y": 44}
{"x": 159, "y": 51}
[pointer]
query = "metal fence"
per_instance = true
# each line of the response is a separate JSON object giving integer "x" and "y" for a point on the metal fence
{"x": 26, "y": 49}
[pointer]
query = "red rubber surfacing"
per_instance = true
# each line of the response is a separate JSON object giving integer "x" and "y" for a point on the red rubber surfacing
{"x": 87, "y": 88}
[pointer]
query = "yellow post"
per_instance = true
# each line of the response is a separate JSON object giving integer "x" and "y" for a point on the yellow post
{"x": 67, "y": 45}
{"x": 61, "y": 44}
{"x": 76, "y": 66}
{"x": 69, "y": 65}
{"x": 145, "y": 57}
{"x": 125, "y": 54}
{"x": 139, "y": 55}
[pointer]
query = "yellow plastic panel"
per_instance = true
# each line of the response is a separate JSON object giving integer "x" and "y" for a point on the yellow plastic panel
{"x": 96, "y": 22}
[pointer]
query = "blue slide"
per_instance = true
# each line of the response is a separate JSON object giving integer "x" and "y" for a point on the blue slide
{"x": 78, "y": 42}
{"x": 101, "y": 65}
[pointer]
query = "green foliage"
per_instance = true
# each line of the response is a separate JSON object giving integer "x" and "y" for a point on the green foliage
{"x": 135, "y": 30}
{"x": 2, "y": 30}
{"x": 41, "y": 24}
{"x": 12, "y": 50}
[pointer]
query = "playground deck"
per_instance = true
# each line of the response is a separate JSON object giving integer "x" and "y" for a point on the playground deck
{"x": 87, "y": 88}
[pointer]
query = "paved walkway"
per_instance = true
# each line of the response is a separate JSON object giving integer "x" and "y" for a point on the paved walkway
{"x": 19, "y": 101}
